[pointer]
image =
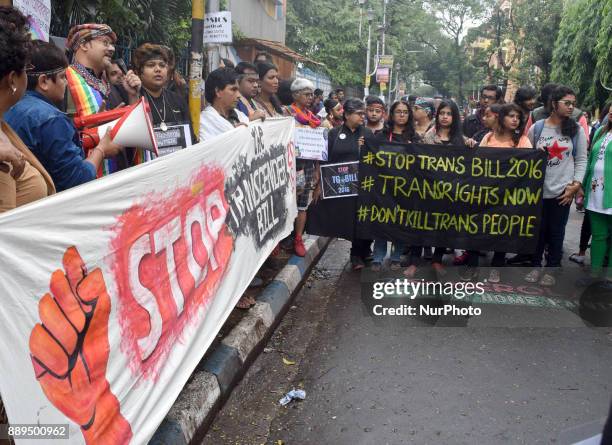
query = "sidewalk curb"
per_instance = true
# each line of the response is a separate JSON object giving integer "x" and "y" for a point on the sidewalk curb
{"x": 213, "y": 379}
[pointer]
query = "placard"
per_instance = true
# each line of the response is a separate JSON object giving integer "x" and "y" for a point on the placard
{"x": 340, "y": 180}
{"x": 175, "y": 138}
{"x": 218, "y": 27}
{"x": 39, "y": 16}
{"x": 385, "y": 61}
{"x": 311, "y": 143}
{"x": 382, "y": 75}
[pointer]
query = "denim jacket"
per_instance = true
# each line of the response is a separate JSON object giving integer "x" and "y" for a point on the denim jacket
{"x": 53, "y": 139}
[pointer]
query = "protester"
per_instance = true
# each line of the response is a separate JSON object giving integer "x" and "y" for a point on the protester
{"x": 248, "y": 81}
{"x": 334, "y": 111}
{"x": 303, "y": 94}
{"x": 526, "y": 98}
{"x": 262, "y": 57}
{"x": 317, "y": 103}
{"x": 598, "y": 201}
{"x": 151, "y": 63}
{"x": 116, "y": 72}
{"x": 508, "y": 133}
{"x": 344, "y": 145}
{"x": 447, "y": 131}
{"x": 222, "y": 93}
{"x": 545, "y": 110}
{"x": 267, "y": 100}
{"x": 23, "y": 179}
{"x": 424, "y": 112}
{"x": 375, "y": 114}
{"x": 49, "y": 133}
{"x": 333, "y": 95}
{"x": 566, "y": 146}
{"x": 340, "y": 94}
{"x": 398, "y": 128}
{"x": 285, "y": 95}
{"x": 88, "y": 88}
{"x": 473, "y": 124}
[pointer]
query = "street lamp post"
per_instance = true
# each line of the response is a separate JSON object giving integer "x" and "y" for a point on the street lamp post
{"x": 366, "y": 89}
{"x": 361, "y": 5}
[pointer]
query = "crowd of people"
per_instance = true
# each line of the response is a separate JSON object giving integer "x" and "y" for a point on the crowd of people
{"x": 42, "y": 87}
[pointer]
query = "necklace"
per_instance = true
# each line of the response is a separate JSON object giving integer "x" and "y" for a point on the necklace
{"x": 163, "y": 127}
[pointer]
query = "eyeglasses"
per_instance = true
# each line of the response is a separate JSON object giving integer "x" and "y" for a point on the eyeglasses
{"x": 402, "y": 112}
{"x": 105, "y": 41}
{"x": 360, "y": 113}
{"x": 568, "y": 103}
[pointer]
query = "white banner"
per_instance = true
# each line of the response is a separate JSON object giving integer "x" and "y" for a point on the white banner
{"x": 39, "y": 16}
{"x": 218, "y": 27}
{"x": 113, "y": 291}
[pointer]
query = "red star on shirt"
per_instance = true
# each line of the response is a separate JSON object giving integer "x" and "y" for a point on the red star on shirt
{"x": 556, "y": 151}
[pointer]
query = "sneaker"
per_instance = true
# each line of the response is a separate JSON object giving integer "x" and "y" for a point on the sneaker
{"x": 494, "y": 276}
{"x": 469, "y": 273}
{"x": 533, "y": 276}
{"x": 298, "y": 246}
{"x": 395, "y": 265}
{"x": 357, "y": 263}
{"x": 547, "y": 280}
{"x": 376, "y": 267}
{"x": 461, "y": 259}
{"x": 577, "y": 258}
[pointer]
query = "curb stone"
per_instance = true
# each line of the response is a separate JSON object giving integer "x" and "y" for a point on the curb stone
{"x": 213, "y": 380}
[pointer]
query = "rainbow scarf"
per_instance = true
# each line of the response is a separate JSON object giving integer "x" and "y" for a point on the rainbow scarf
{"x": 88, "y": 100}
{"x": 305, "y": 117}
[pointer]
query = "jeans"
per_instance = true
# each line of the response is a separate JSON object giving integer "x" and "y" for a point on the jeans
{"x": 438, "y": 255}
{"x": 552, "y": 233}
{"x": 499, "y": 259}
{"x": 585, "y": 232}
{"x": 380, "y": 250}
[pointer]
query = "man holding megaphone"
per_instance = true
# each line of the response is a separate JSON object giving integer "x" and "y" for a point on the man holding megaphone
{"x": 48, "y": 132}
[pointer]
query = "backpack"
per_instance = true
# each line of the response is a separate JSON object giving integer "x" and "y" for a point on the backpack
{"x": 538, "y": 127}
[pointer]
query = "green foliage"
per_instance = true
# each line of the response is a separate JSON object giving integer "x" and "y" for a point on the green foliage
{"x": 135, "y": 21}
{"x": 582, "y": 51}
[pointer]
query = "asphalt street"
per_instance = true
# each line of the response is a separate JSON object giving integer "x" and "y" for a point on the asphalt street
{"x": 518, "y": 373}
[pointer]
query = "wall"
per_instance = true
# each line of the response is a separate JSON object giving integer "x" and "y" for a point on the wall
{"x": 260, "y": 19}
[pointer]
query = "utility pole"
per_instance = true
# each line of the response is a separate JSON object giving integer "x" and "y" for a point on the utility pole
{"x": 196, "y": 63}
{"x": 384, "y": 26}
{"x": 214, "y": 58}
{"x": 366, "y": 88}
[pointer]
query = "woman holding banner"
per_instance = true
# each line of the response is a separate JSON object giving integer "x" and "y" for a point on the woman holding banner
{"x": 336, "y": 217}
{"x": 398, "y": 128}
{"x": 508, "y": 133}
{"x": 23, "y": 179}
{"x": 447, "y": 131}
{"x": 560, "y": 136}
{"x": 598, "y": 200}
{"x": 303, "y": 95}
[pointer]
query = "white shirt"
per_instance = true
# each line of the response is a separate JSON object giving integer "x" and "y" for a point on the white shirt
{"x": 213, "y": 124}
{"x": 596, "y": 197}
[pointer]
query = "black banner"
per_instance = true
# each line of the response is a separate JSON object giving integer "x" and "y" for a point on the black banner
{"x": 430, "y": 195}
{"x": 340, "y": 180}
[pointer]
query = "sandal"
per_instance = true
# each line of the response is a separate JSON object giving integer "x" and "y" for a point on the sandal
{"x": 243, "y": 303}
{"x": 577, "y": 258}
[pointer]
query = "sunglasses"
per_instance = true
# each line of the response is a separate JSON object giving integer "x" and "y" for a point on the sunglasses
{"x": 568, "y": 103}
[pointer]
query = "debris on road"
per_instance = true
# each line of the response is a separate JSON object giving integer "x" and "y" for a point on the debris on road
{"x": 291, "y": 395}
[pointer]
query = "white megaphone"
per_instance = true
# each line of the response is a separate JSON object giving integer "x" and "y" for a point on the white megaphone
{"x": 133, "y": 129}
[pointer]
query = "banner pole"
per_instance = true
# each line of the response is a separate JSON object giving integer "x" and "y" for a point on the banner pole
{"x": 196, "y": 63}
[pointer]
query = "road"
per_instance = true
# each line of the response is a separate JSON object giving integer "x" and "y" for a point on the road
{"x": 515, "y": 374}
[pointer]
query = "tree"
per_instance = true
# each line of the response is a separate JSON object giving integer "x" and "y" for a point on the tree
{"x": 581, "y": 57}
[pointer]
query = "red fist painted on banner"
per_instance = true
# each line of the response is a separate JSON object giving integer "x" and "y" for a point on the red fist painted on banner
{"x": 70, "y": 350}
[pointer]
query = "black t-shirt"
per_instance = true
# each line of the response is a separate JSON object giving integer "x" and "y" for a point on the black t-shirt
{"x": 343, "y": 143}
{"x": 176, "y": 110}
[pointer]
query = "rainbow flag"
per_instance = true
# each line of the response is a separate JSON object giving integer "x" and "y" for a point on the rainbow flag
{"x": 87, "y": 100}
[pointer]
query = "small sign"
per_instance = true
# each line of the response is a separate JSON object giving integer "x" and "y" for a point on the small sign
{"x": 340, "y": 180}
{"x": 311, "y": 143}
{"x": 368, "y": 79}
{"x": 175, "y": 138}
{"x": 383, "y": 87}
{"x": 218, "y": 27}
{"x": 38, "y": 13}
{"x": 382, "y": 75}
{"x": 385, "y": 61}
